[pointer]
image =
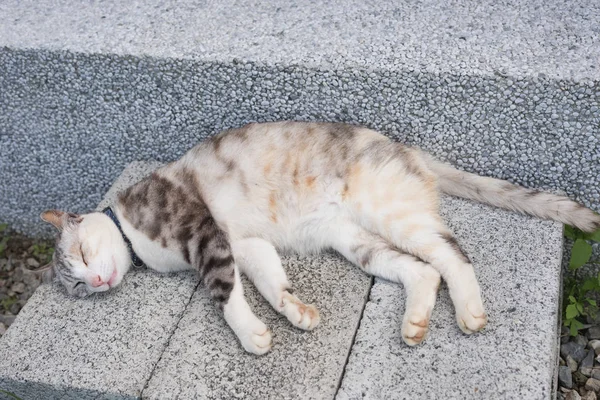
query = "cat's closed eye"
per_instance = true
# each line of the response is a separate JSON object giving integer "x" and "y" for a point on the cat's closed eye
{"x": 83, "y": 255}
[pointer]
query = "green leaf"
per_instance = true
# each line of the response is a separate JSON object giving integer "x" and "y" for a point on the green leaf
{"x": 595, "y": 236}
{"x": 572, "y": 311}
{"x": 580, "y": 254}
{"x": 579, "y": 308}
{"x": 570, "y": 232}
{"x": 589, "y": 284}
{"x": 591, "y": 301}
{"x": 572, "y": 299}
{"x": 575, "y": 327}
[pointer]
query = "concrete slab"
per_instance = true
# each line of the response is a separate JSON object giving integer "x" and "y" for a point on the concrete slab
{"x": 204, "y": 361}
{"x": 101, "y": 347}
{"x": 510, "y": 37}
{"x": 104, "y": 346}
{"x": 518, "y": 265}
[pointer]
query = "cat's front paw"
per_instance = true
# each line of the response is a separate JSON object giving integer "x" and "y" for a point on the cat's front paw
{"x": 303, "y": 316}
{"x": 257, "y": 339}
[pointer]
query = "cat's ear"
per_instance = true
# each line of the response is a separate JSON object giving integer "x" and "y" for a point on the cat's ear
{"x": 46, "y": 272}
{"x": 60, "y": 218}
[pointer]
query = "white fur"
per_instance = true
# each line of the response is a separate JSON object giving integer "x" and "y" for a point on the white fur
{"x": 96, "y": 234}
{"x": 259, "y": 261}
{"x": 154, "y": 255}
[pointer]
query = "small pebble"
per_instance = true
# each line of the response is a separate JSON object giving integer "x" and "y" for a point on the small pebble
{"x": 572, "y": 364}
{"x": 564, "y": 377}
{"x": 572, "y": 395}
{"x": 18, "y": 287}
{"x": 576, "y": 351}
{"x": 32, "y": 262}
{"x": 589, "y": 396}
{"x": 2, "y": 328}
{"x": 595, "y": 344}
{"x": 592, "y": 384}
{"x": 580, "y": 339}
{"x": 587, "y": 363}
{"x": 15, "y": 308}
{"x": 593, "y": 333}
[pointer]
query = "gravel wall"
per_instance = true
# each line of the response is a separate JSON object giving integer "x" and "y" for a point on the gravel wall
{"x": 70, "y": 122}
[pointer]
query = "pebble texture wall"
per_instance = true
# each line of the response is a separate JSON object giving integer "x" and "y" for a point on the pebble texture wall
{"x": 80, "y": 101}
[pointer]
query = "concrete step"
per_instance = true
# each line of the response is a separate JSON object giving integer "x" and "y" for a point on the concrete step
{"x": 517, "y": 260}
{"x": 505, "y": 89}
{"x": 157, "y": 337}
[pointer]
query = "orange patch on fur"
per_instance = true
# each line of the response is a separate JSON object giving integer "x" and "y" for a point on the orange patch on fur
{"x": 273, "y": 207}
{"x": 267, "y": 169}
{"x": 353, "y": 181}
{"x": 345, "y": 192}
{"x": 310, "y": 181}
{"x": 295, "y": 175}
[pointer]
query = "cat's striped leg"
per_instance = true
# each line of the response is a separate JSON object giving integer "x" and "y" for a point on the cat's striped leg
{"x": 378, "y": 257}
{"x": 219, "y": 272}
{"x": 259, "y": 261}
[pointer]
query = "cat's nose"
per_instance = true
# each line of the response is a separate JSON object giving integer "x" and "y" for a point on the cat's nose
{"x": 97, "y": 281}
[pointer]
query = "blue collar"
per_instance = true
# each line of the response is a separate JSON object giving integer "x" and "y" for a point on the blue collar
{"x": 134, "y": 258}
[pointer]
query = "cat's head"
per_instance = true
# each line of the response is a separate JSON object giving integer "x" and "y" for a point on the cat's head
{"x": 90, "y": 254}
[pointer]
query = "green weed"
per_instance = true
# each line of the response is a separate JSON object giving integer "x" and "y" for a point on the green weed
{"x": 579, "y": 292}
{"x": 42, "y": 252}
{"x": 4, "y": 238}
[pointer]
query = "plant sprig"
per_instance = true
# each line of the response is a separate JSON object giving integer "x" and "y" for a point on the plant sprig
{"x": 579, "y": 302}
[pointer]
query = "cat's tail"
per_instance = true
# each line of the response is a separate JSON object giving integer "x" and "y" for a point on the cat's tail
{"x": 505, "y": 195}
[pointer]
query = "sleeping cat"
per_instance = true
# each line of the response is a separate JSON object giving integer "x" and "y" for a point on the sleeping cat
{"x": 232, "y": 202}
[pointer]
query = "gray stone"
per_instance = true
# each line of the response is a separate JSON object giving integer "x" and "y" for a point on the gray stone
{"x": 587, "y": 363}
{"x": 15, "y": 308}
{"x": 573, "y": 395}
{"x": 564, "y": 377}
{"x": 579, "y": 379}
{"x": 580, "y": 339}
{"x": 593, "y": 385}
{"x": 594, "y": 333}
{"x": 18, "y": 287}
{"x": 596, "y": 373}
{"x": 32, "y": 262}
{"x": 595, "y": 344}
{"x": 576, "y": 351}
{"x": 2, "y": 328}
{"x": 589, "y": 396}
{"x": 517, "y": 260}
{"x": 7, "y": 319}
{"x": 572, "y": 364}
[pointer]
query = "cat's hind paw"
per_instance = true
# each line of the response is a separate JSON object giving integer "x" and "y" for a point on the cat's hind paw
{"x": 303, "y": 316}
{"x": 471, "y": 318}
{"x": 414, "y": 330}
